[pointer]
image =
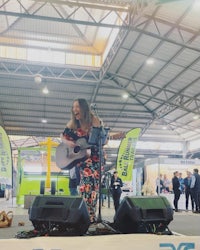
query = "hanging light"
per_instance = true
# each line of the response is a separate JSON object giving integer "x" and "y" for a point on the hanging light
{"x": 38, "y": 78}
{"x": 44, "y": 121}
{"x": 150, "y": 61}
{"x": 45, "y": 90}
{"x": 125, "y": 95}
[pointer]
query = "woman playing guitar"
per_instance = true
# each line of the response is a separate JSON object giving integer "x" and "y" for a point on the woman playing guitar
{"x": 81, "y": 123}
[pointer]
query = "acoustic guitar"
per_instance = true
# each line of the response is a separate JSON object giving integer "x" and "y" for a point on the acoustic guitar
{"x": 67, "y": 157}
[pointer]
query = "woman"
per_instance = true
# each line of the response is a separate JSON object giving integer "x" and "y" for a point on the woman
{"x": 116, "y": 184}
{"x": 82, "y": 120}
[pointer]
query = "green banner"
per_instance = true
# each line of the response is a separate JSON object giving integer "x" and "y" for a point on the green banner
{"x": 126, "y": 154}
{"x": 5, "y": 159}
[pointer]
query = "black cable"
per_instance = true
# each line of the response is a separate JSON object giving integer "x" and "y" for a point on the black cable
{"x": 30, "y": 234}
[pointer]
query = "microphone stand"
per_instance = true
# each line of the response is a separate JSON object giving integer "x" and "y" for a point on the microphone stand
{"x": 101, "y": 135}
{"x": 99, "y": 218}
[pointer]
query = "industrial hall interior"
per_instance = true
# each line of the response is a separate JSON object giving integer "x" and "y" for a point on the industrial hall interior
{"x": 134, "y": 66}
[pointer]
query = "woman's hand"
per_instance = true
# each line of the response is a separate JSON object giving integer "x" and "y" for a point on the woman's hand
{"x": 69, "y": 143}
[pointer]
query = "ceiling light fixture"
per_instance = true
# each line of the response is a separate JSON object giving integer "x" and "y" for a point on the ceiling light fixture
{"x": 150, "y": 61}
{"x": 139, "y": 156}
{"x": 45, "y": 90}
{"x": 125, "y": 96}
{"x": 44, "y": 121}
{"x": 38, "y": 78}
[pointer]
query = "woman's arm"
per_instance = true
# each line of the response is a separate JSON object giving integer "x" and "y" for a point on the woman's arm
{"x": 66, "y": 139}
{"x": 96, "y": 121}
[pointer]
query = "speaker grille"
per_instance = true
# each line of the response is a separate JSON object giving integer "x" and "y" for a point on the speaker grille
{"x": 66, "y": 215}
{"x": 143, "y": 214}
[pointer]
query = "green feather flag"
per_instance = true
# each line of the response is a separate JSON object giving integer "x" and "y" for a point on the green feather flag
{"x": 126, "y": 154}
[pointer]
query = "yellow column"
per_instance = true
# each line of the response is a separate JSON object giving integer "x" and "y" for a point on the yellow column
{"x": 49, "y": 144}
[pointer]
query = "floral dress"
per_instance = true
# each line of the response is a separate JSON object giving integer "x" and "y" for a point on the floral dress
{"x": 89, "y": 177}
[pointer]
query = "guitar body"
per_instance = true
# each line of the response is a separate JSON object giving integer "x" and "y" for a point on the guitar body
{"x": 67, "y": 157}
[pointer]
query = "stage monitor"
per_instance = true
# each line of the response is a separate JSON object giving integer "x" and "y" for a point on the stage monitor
{"x": 143, "y": 214}
{"x": 60, "y": 215}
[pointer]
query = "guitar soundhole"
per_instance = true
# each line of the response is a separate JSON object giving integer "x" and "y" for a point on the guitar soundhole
{"x": 77, "y": 149}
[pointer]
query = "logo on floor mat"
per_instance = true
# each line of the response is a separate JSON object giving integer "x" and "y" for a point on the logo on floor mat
{"x": 181, "y": 246}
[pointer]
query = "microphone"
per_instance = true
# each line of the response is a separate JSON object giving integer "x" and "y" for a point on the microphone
{"x": 93, "y": 106}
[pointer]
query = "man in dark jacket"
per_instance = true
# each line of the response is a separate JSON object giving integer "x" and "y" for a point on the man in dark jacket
{"x": 176, "y": 189}
{"x": 188, "y": 193}
{"x": 195, "y": 189}
{"x": 116, "y": 184}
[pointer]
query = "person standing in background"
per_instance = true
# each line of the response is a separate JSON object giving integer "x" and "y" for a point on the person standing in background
{"x": 166, "y": 184}
{"x": 74, "y": 180}
{"x": 187, "y": 182}
{"x": 116, "y": 184}
{"x": 181, "y": 180}
{"x": 195, "y": 189}
{"x": 176, "y": 189}
{"x": 8, "y": 189}
{"x": 159, "y": 184}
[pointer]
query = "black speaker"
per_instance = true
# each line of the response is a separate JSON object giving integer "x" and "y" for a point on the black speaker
{"x": 143, "y": 214}
{"x": 59, "y": 215}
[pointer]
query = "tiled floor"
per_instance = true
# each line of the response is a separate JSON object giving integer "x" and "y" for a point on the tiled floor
{"x": 184, "y": 223}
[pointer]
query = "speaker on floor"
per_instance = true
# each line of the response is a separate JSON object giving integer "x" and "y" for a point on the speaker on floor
{"x": 143, "y": 214}
{"x": 59, "y": 215}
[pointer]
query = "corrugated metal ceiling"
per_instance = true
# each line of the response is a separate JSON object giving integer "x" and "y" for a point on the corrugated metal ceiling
{"x": 123, "y": 35}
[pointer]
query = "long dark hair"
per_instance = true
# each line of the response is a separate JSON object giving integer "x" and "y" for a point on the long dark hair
{"x": 85, "y": 111}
